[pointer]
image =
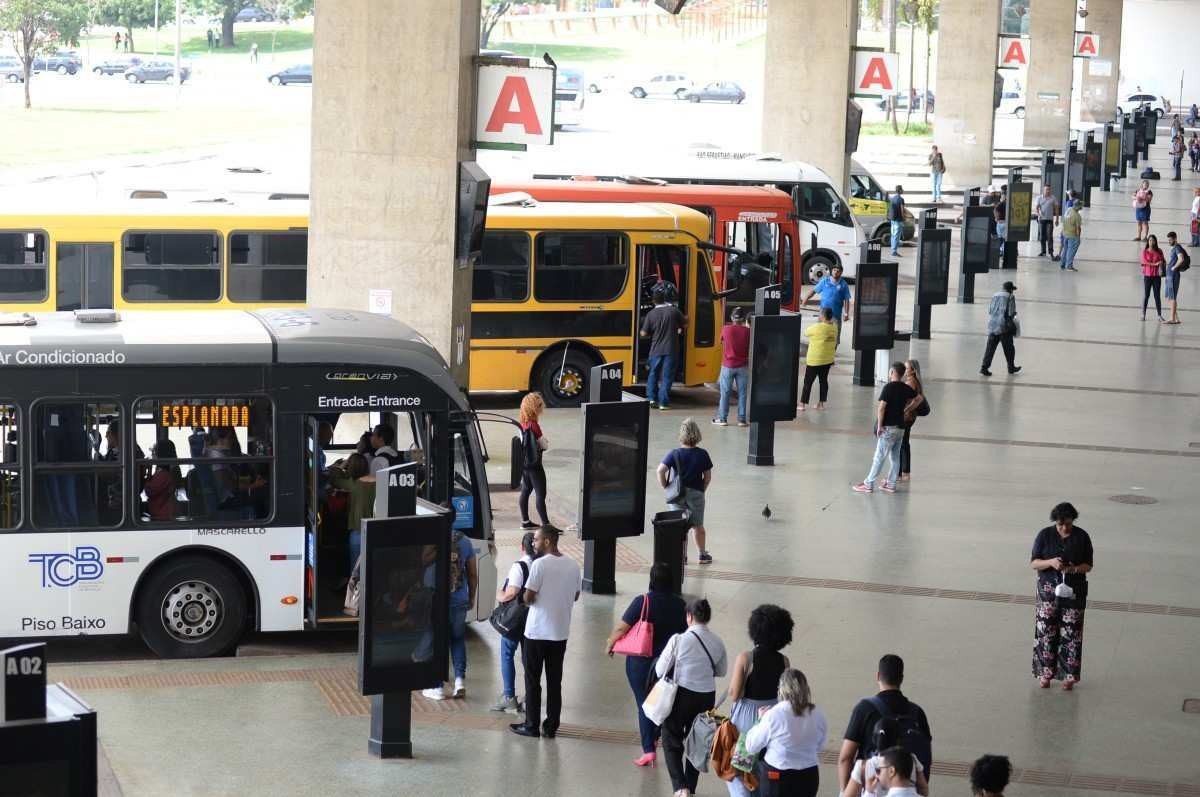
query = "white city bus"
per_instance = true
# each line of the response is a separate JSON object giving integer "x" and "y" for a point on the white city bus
{"x": 828, "y": 228}
{"x": 163, "y": 470}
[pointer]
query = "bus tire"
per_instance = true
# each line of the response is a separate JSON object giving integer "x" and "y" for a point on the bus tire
{"x": 883, "y": 233}
{"x": 191, "y": 607}
{"x": 816, "y": 267}
{"x": 571, "y": 390}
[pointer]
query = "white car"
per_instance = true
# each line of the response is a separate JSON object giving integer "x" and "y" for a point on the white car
{"x": 1012, "y": 103}
{"x": 664, "y": 85}
{"x": 1135, "y": 101}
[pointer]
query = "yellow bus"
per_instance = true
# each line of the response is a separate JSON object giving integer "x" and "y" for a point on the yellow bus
{"x": 563, "y": 286}
{"x": 154, "y": 255}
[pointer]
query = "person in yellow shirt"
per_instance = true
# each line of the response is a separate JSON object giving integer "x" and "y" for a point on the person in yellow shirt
{"x": 822, "y": 343}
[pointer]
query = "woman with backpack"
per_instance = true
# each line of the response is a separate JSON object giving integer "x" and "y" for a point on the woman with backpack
{"x": 1141, "y": 210}
{"x": 754, "y": 679}
{"x": 533, "y": 475}
{"x": 1153, "y": 263}
{"x": 511, "y": 591}
{"x": 790, "y": 736}
{"x": 864, "y": 777}
{"x": 916, "y": 407}
{"x": 666, "y": 614}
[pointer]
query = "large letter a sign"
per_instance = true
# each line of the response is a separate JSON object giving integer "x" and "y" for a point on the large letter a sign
{"x": 515, "y": 105}
{"x": 1087, "y": 45}
{"x": 875, "y": 73}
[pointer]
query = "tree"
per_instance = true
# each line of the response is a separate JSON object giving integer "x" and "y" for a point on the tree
{"x": 490, "y": 17}
{"x": 227, "y": 10}
{"x": 39, "y": 27}
{"x": 130, "y": 14}
{"x": 285, "y": 11}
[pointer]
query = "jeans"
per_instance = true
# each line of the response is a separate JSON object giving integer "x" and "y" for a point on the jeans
{"x": 508, "y": 667}
{"x": 458, "y": 640}
{"x": 813, "y": 373}
{"x": 1010, "y": 352}
{"x": 897, "y": 228}
{"x": 886, "y": 445}
{"x": 636, "y": 670}
{"x": 1177, "y": 164}
{"x": 937, "y": 186}
{"x": 1152, "y": 285}
{"x": 730, "y": 377}
{"x": 538, "y": 654}
{"x": 1070, "y": 247}
{"x": 533, "y": 480}
{"x": 658, "y": 381}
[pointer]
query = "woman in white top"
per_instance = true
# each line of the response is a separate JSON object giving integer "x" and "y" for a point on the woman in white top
{"x": 887, "y": 735}
{"x": 697, "y": 657}
{"x": 790, "y": 736}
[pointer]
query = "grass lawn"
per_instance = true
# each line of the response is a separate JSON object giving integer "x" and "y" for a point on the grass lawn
{"x": 885, "y": 129}
{"x": 561, "y": 53}
{"x": 36, "y": 137}
{"x": 287, "y": 39}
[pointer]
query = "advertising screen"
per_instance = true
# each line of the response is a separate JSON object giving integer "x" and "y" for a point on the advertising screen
{"x": 1075, "y": 173}
{"x": 1112, "y": 152}
{"x": 933, "y": 267}
{"x": 1091, "y": 164}
{"x": 1129, "y": 146}
{"x": 1020, "y": 210}
{"x": 774, "y": 367}
{"x": 875, "y": 308}
{"x": 976, "y": 235}
{"x": 613, "y": 486}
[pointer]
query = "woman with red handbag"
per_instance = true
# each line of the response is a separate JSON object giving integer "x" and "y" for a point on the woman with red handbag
{"x": 657, "y": 615}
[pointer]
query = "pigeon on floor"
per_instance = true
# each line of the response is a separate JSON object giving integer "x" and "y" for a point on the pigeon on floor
{"x": 766, "y": 513}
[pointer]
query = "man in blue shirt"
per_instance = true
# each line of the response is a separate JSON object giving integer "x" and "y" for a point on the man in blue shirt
{"x": 895, "y": 216}
{"x": 835, "y": 294}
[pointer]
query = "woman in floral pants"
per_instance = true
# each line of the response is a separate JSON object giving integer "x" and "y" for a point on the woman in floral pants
{"x": 1062, "y": 557}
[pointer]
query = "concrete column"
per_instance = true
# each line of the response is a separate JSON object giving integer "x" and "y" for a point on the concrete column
{"x": 808, "y": 64}
{"x": 1098, "y": 95}
{"x": 385, "y": 149}
{"x": 1051, "y": 69}
{"x": 966, "y": 69}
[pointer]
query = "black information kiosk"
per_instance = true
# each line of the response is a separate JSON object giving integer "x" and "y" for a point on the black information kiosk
{"x": 874, "y": 312}
{"x": 1150, "y": 123}
{"x": 1112, "y": 154}
{"x": 47, "y": 734}
{"x": 1054, "y": 175}
{"x": 612, "y": 482}
{"x": 933, "y": 272}
{"x": 1076, "y": 178}
{"x": 404, "y": 611}
{"x": 1129, "y": 147}
{"x": 1093, "y": 165}
{"x": 774, "y": 372}
{"x": 1018, "y": 215}
{"x": 1139, "y": 137}
{"x": 980, "y": 250}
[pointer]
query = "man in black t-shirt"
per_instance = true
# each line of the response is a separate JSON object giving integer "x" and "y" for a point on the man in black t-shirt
{"x": 856, "y": 741}
{"x": 663, "y": 326}
{"x": 889, "y": 430}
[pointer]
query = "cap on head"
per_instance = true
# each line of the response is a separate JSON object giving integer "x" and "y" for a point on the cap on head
{"x": 1009, "y": 286}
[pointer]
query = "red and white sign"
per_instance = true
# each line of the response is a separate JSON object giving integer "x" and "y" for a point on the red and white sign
{"x": 1087, "y": 45}
{"x": 875, "y": 73}
{"x": 514, "y": 104}
{"x": 1014, "y": 52}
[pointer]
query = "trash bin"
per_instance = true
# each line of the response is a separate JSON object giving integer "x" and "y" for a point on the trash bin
{"x": 884, "y": 358}
{"x": 670, "y": 539}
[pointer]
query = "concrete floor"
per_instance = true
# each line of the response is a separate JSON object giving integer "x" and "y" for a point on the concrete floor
{"x": 1106, "y": 405}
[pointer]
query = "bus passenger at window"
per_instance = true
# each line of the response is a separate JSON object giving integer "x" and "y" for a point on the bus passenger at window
{"x": 353, "y": 476}
{"x": 160, "y": 488}
{"x": 383, "y": 441}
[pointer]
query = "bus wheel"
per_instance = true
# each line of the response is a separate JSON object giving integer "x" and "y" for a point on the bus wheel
{"x": 816, "y": 267}
{"x": 191, "y": 608}
{"x": 563, "y": 383}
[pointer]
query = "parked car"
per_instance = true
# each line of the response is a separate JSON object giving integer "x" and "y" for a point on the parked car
{"x": 602, "y": 81}
{"x": 297, "y": 73}
{"x": 118, "y": 65}
{"x": 253, "y": 15}
{"x": 64, "y": 63}
{"x": 156, "y": 70}
{"x": 665, "y": 85}
{"x": 717, "y": 91}
{"x": 869, "y": 202}
{"x": 1012, "y": 103}
{"x": 901, "y": 99}
{"x": 1134, "y": 101}
{"x": 11, "y": 69}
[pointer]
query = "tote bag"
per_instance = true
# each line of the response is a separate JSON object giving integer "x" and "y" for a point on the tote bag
{"x": 658, "y": 704}
{"x": 639, "y": 639}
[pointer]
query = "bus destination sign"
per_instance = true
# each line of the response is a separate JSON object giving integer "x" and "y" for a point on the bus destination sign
{"x": 187, "y": 416}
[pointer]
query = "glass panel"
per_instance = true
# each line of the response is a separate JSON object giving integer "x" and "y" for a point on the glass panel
{"x": 705, "y": 309}
{"x": 22, "y": 266}
{"x": 502, "y": 272}
{"x": 68, "y": 286}
{"x": 10, "y": 468}
{"x": 171, "y": 267}
{"x": 268, "y": 267}
{"x": 578, "y": 266}
{"x": 90, "y": 494}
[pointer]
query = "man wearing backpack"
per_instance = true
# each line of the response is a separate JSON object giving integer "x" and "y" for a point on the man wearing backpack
{"x": 1178, "y": 261}
{"x": 913, "y": 728}
{"x": 518, "y": 574}
{"x": 464, "y": 581}
{"x": 383, "y": 438}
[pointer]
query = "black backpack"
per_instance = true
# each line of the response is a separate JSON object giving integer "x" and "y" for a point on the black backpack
{"x": 509, "y": 618}
{"x": 1185, "y": 261}
{"x": 392, "y": 459}
{"x": 912, "y": 736}
{"x": 529, "y": 446}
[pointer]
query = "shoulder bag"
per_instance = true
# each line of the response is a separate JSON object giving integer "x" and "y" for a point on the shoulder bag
{"x": 509, "y": 618}
{"x": 675, "y": 490}
{"x": 639, "y": 639}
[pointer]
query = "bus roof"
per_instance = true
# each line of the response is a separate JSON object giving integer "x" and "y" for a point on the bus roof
{"x": 621, "y": 215}
{"x": 712, "y": 170}
{"x": 159, "y": 208}
{"x": 312, "y": 336}
{"x": 735, "y": 196}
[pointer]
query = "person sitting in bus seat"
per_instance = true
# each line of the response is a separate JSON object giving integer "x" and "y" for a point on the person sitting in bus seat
{"x": 383, "y": 438}
{"x": 10, "y": 447}
{"x": 160, "y": 488}
{"x": 353, "y": 475}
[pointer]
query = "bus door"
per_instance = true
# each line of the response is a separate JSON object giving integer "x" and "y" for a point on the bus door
{"x": 660, "y": 263}
{"x": 312, "y": 519}
{"x": 470, "y": 502}
{"x": 84, "y": 276}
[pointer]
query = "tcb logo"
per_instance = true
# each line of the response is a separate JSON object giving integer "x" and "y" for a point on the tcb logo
{"x": 65, "y": 570}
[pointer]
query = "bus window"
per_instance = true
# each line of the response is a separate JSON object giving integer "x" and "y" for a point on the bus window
{"x": 75, "y": 485}
{"x": 171, "y": 267}
{"x": 463, "y": 491}
{"x": 580, "y": 266}
{"x": 10, "y": 468}
{"x": 188, "y": 476}
{"x": 268, "y": 266}
{"x": 502, "y": 272}
{"x": 22, "y": 266}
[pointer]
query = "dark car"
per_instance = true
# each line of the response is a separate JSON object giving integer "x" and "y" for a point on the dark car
{"x": 297, "y": 73}
{"x": 156, "y": 70}
{"x": 64, "y": 63}
{"x": 253, "y": 15}
{"x": 717, "y": 91}
{"x": 116, "y": 66}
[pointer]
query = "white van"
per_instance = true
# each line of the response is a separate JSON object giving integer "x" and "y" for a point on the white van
{"x": 830, "y": 235}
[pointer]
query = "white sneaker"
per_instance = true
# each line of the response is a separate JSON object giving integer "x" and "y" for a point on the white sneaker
{"x": 460, "y": 688}
{"x": 438, "y": 693}
{"x": 506, "y": 704}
